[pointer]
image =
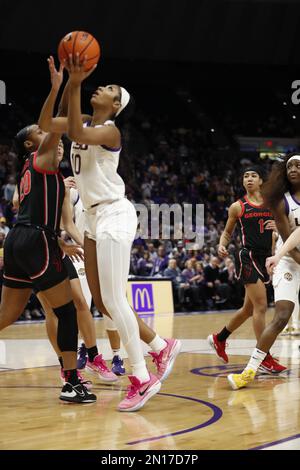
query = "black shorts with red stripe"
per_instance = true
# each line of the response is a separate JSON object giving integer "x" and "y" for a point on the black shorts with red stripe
{"x": 71, "y": 270}
{"x": 32, "y": 258}
{"x": 251, "y": 267}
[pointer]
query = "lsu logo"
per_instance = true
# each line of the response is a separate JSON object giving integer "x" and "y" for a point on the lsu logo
{"x": 81, "y": 272}
{"x": 288, "y": 276}
{"x": 142, "y": 295}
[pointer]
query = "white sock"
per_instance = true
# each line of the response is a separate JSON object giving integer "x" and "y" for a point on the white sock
{"x": 140, "y": 371}
{"x": 256, "y": 359}
{"x": 116, "y": 352}
{"x": 157, "y": 344}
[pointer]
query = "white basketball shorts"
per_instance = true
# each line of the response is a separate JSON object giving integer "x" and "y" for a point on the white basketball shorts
{"x": 286, "y": 281}
{"x": 117, "y": 220}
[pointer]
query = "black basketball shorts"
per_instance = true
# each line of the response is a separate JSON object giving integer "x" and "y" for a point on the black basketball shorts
{"x": 32, "y": 258}
{"x": 251, "y": 267}
{"x": 71, "y": 270}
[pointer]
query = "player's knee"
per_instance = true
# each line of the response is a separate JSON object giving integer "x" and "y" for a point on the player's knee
{"x": 114, "y": 302}
{"x": 261, "y": 306}
{"x": 67, "y": 330}
{"x": 108, "y": 301}
{"x": 80, "y": 304}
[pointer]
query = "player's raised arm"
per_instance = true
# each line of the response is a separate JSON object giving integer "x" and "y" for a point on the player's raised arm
{"x": 234, "y": 213}
{"x": 59, "y": 123}
{"x": 106, "y": 135}
{"x": 46, "y": 120}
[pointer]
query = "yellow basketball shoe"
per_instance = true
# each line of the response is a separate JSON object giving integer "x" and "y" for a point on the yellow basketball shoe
{"x": 241, "y": 380}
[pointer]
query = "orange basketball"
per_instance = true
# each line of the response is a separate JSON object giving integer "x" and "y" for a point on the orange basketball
{"x": 79, "y": 42}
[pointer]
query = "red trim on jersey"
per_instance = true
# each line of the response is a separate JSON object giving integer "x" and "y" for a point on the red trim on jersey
{"x": 256, "y": 267}
{"x": 57, "y": 199}
{"x": 242, "y": 206}
{"x": 44, "y": 268}
{"x": 251, "y": 203}
{"x": 25, "y": 166}
{"x": 41, "y": 170}
{"x": 45, "y": 200}
{"x": 243, "y": 232}
{"x": 241, "y": 267}
{"x": 16, "y": 279}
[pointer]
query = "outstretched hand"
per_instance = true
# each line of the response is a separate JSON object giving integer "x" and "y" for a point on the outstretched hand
{"x": 271, "y": 264}
{"x": 75, "y": 252}
{"x": 56, "y": 76}
{"x": 76, "y": 68}
{"x": 70, "y": 182}
{"x": 270, "y": 225}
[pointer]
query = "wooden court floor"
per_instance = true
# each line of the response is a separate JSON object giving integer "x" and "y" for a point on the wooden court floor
{"x": 195, "y": 409}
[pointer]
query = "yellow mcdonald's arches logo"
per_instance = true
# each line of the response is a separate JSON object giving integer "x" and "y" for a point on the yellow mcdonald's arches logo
{"x": 142, "y": 298}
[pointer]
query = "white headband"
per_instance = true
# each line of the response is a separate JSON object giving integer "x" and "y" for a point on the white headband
{"x": 125, "y": 97}
{"x": 294, "y": 157}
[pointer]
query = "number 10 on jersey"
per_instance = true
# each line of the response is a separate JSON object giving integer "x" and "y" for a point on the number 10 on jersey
{"x": 76, "y": 162}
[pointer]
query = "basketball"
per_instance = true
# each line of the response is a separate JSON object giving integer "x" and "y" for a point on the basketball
{"x": 82, "y": 43}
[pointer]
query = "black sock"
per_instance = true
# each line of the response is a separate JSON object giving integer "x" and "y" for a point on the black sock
{"x": 61, "y": 362}
{"x": 71, "y": 376}
{"x": 223, "y": 335}
{"x": 92, "y": 352}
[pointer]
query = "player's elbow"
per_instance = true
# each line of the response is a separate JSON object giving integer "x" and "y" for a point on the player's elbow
{"x": 72, "y": 135}
{"x": 44, "y": 126}
{"x": 75, "y": 135}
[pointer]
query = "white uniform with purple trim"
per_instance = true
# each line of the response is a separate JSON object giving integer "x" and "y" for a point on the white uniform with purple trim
{"x": 286, "y": 278}
{"x": 102, "y": 191}
{"x": 110, "y": 220}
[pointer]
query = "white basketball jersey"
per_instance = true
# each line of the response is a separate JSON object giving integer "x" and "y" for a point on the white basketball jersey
{"x": 95, "y": 172}
{"x": 77, "y": 210}
{"x": 293, "y": 212}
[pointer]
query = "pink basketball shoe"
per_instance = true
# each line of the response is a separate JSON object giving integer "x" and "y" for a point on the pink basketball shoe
{"x": 98, "y": 366}
{"x": 139, "y": 393}
{"x": 164, "y": 361}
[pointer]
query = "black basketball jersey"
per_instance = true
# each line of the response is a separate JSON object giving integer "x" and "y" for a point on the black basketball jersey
{"x": 252, "y": 224}
{"x": 41, "y": 195}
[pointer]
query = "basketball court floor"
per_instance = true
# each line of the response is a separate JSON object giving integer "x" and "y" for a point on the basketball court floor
{"x": 195, "y": 409}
